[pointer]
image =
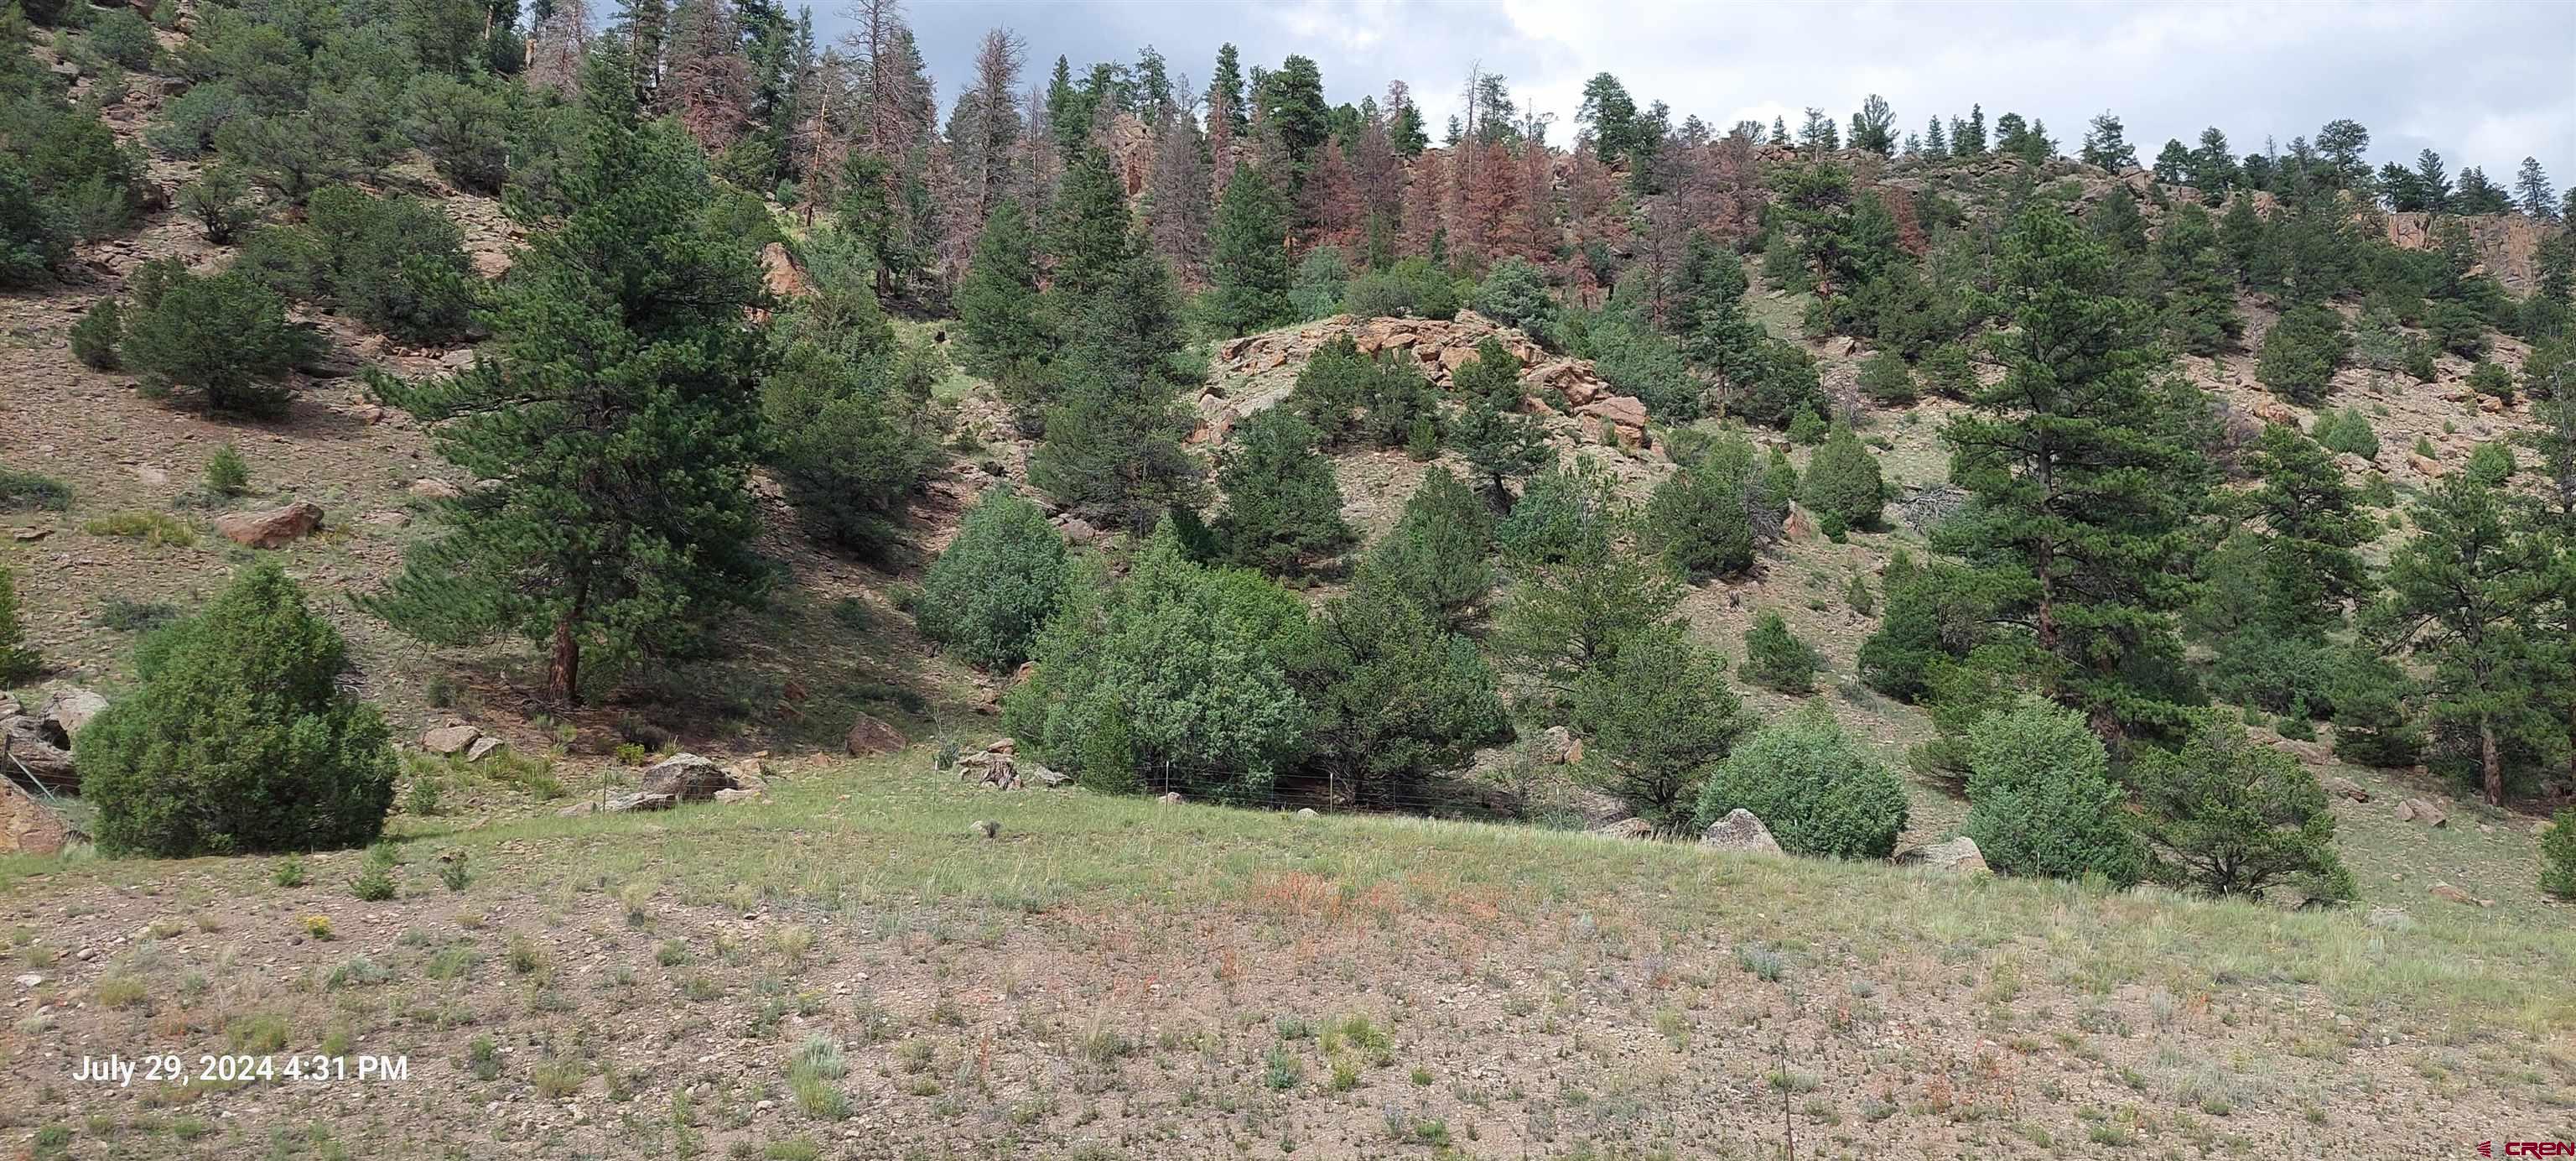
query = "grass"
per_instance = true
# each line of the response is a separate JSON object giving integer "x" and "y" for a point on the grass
{"x": 158, "y": 529}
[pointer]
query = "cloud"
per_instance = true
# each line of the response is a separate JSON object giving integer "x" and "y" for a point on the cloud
{"x": 2483, "y": 83}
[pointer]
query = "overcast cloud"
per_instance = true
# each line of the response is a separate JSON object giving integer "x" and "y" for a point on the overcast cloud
{"x": 2484, "y": 83}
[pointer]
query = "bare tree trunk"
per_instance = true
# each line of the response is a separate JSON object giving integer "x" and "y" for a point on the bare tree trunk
{"x": 2490, "y": 761}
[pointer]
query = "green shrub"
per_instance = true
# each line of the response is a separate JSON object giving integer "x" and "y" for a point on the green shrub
{"x": 19, "y": 661}
{"x": 223, "y": 335}
{"x": 237, "y": 737}
{"x": 991, "y": 591}
{"x": 1886, "y": 380}
{"x": 1194, "y": 661}
{"x": 122, "y": 36}
{"x": 2227, "y": 816}
{"x": 96, "y": 335}
{"x": 2558, "y": 854}
{"x": 2041, "y": 800}
{"x": 220, "y": 201}
{"x": 398, "y": 263}
{"x": 2301, "y": 352}
{"x": 2459, "y": 329}
{"x": 1786, "y": 385}
{"x": 1412, "y": 287}
{"x": 1842, "y": 481}
{"x": 2491, "y": 379}
{"x": 2369, "y": 694}
{"x": 1701, "y": 519}
{"x": 1514, "y": 294}
{"x": 226, "y": 472}
{"x": 842, "y": 437}
{"x": 35, "y": 234}
{"x": 27, "y": 491}
{"x": 1818, "y": 791}
{"x": 1563, "y": 512}
{"x": 1323, "y": 276}
{"x": 1948, "y": 371}
{"x": 464, "y": 127}
{"x": 1774, "y": 658}
{"x": 1656, "y": 715}
{"x": 1435, "y": 557}
{"x": 1283, "y": 506}
{"x": 2347, "y": 431}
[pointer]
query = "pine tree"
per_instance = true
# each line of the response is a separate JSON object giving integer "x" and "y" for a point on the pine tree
{"x": 2531, "y": 192}
{"x": 2200, "y": 299}
{"x": 1250, "y": 256}
{"x": 993, "y": 587}
{"x": 1435, "y": 556}
{"x": 616, "y": 412}
{"x": 2106, "y": 144}
{"x": 1088, "y": 238}
{"x": 2173, "y": 163}
{"x": 1176, "y": 199}
{"x": 2462, "y": 592}
{"x": 1657, "y": 715}
{"x": 1114, "y": 437}
{"x": 1001, "y": 333}
{"x": 1398, "y": 698}
{"x": 1282, "y": 505}
{"x": 2084, "y": 492}
{"x": 1499, "y": 442}
{"x": 1896, "y": 658}
{"x": 2226, "y": 816}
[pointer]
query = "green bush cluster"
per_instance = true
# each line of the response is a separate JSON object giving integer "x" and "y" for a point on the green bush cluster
{"x": 2041, "y": 800}
{"x": 1818, "y": 791}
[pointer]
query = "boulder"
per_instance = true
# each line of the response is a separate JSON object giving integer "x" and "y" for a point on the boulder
{"x": 1558, "y": 745}
{"x": 447, "y": 740}
{"x": 743, "y": 794}
{"x": 1170, "y": 798}
{"x": 66, "y": 711}
{"x": 778, "y": 270}
{"x": 432, "y": 488}
{"x": 2426, "y": 466}
{"x": 639, "y": 800}
{"x": 1958, "y": 856}
{"x": 2342, "y": 787}
{"x": 1307, "y": 812}
{"x": 1740, "y": 831}
{"x": 984, "y": 828}
{"x": 1621, "y": 410}
{"x": 484, "y": 748}
{"x": 271, "y": 527}
{"x": 27, "y": 750}
{"x": 1630, "y": 828}
{"x": 29, "y": 827}
{"x": 687, "y": 777}
{"x": 869, "y": 737}
{"x": 2423, "y": 811}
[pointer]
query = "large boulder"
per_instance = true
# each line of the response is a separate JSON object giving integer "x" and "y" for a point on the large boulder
{"x": 1628, "y": 828}
{"x": 30, "y": 827}
{"x": 449, "y": 740}
{"x": 2342, "y": 787}
{"x": 66, "y": 711}
{"x": 27, "y": 750}
{"x": 1957, "y": 856}
{"x": 686, "y": 777}
{"x": 271, "y": 527}
{"x": 870, "y": 736}
{"x": 2422, "y": 810}
{"x": 1740, "y": 831}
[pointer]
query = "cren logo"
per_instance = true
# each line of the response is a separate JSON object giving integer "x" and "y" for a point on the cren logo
{"x": 2530, "y": 1149}
{"x": 2486, "y": 1148}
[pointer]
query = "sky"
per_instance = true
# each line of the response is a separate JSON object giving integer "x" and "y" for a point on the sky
{"x": 2483, "y": 83}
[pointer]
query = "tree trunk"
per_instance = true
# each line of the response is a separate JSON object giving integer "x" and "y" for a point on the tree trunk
{"x": 563, "y": 671}
{"x": 2490, "y": 762}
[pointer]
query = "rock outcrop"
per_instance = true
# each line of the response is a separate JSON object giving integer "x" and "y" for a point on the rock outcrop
{"x": 272, "y": 527}
{"x": 685, "y": 777}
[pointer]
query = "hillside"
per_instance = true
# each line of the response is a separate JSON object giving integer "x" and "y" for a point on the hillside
{"x": 1268, "y": 931}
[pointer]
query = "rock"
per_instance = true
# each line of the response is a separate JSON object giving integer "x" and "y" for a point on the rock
{"x": 2426, "y": 466}
{"x": 1170, "y": 798}
{"x": 1957, "y": 856}
{"x": 687, "y": 777}
{"x": 2342, "y": 787}
{"x": 1630, "y": 828}
{"x": 2423, "y": 811}
{"x": 387, "y": 518}
{"x": 449, "y": 739}
{"x": 1558, "y": 745}
{"x": 29, "y": 826}
{"x": 483, "y": 748}
{"x": 985, "y": 828}
{"x": 1740, "y": 831}
{"x": 779, "y": 270}
{"x": 1307, "y": 812}
{"x": 1622, "y": 410}
{"x": 27, "y": 750}
{"x": 869, "y": 737}
{"x": 738, "y": 795}
{"x": 9, "y": 707}
{"x": 66, "y": 711}
{"x": 626, "y": 803}
{"x": 1079, "y": 531}
{"x": 432, "y": 488}
{"x": 2453, "y": 894}
{"x": 273, "y": 527}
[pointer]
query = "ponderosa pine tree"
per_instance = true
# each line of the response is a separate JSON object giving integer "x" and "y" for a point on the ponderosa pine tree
{"x": 1436, "y": 555}
{"x": 2084, "y": 490}
{"x": 1249, "y": 255}
{"x": 1499, "y": 442}
{"x": 1283, "y": 507}
{"x": 615, "y": 409}
{"x": 2462, "y": 592}
{"x": 2226, "y": 816}
{"x": 1114, "y": 435}
{"x": 1001, "y": 332}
